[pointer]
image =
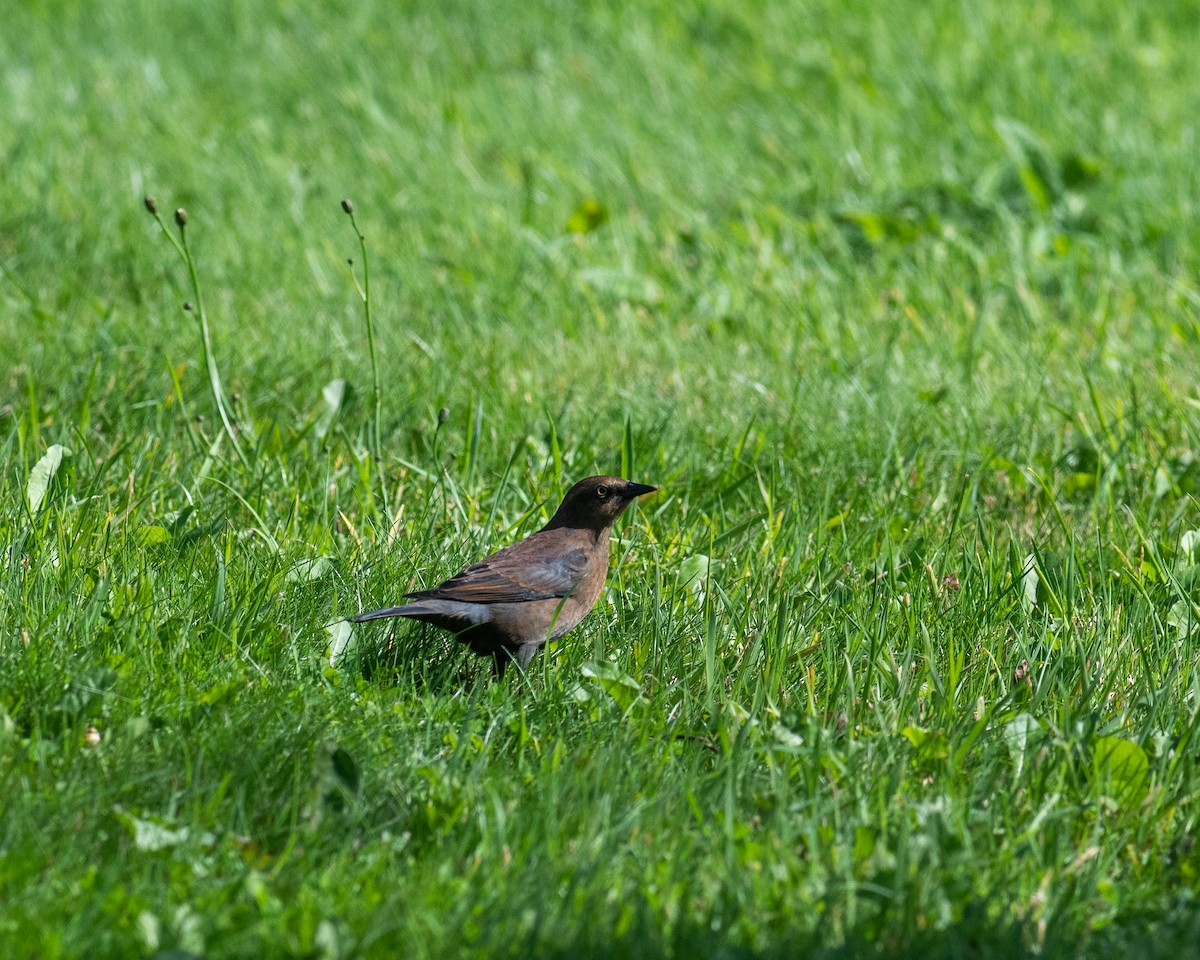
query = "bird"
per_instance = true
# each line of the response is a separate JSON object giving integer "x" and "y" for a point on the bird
{"x": 511, "y": 603}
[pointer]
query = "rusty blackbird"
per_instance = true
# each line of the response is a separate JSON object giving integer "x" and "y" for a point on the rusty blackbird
{"x": 509, "y": 604}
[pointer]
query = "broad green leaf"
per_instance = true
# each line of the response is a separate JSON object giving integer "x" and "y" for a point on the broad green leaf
{"x": 579, "y": 693}
{"x": 149, "y": 929}
{"x": 1080, "y": 170}
{"x": 1122, "y": 768}
{"x": 1031, "y": 159}
{"x": 1164, "y": 483}
{"x": 154, "y": 834}
{"x": 930, "y": 744}
{"x": 1029, "y": 582}
{"x": 623, "y": 284}
{"x": 864, "y": 843}
{"x": 1017, "y": 734}
{"x": 42, "y": 474}
{"x": 333, "y": 395}
{"x": 624, "y": 690}
{"x": 342, "y": 642}
{"x": 152, "y": 534}
{"x": 1184, "y": 617}
{"x": 872, "y": 225}
{"x": 1036, "y": 187}
{"x": 586, "y": 217}
{"x": 221, "y": 691}
{"x": 694, "y": 570}
{"x": 785, "y": 738}
{"x": 312, "y": 569}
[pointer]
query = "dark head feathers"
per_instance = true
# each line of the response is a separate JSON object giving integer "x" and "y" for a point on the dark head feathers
{"x": 594, "y": 503}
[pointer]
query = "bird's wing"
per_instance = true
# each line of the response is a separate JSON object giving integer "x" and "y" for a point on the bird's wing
{"x": 513, "y": 575}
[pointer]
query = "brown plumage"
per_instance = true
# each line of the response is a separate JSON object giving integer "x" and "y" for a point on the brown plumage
{"x": 508, "y": 605}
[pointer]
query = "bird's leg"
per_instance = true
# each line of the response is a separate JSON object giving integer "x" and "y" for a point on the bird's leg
{"x": 525, "y": 653}
{"x": 521, "y": 657}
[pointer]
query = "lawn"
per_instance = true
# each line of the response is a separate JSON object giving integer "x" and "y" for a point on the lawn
{"x": 899, "y": 306}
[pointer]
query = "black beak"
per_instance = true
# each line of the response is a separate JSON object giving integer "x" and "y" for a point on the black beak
{"x": 635, "y": 490}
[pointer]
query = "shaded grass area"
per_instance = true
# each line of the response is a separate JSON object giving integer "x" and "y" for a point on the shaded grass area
{"x": 899, "y": 309}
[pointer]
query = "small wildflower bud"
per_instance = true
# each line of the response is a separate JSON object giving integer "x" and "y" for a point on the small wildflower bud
{"x": 91, "y": 736}
{"x": 443, "y": 415}
{"x": 347, "y": 205}
{"x": 187, "y": 306}
{"x": 181, "y": 217}
{"x": 151, "y": 205}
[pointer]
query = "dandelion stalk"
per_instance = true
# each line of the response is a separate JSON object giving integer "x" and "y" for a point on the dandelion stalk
{"x": 364, "y": 293}
{"x": 214, "y": 374}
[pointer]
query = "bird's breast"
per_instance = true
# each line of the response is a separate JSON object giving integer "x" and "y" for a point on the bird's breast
{"x": 587, "y": 591}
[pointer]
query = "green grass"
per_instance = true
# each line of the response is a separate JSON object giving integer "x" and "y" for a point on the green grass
{"x": 899, "y": 306}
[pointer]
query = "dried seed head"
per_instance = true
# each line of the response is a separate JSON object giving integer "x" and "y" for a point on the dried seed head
{"x": 181, "y": 217}
{"x": 347, "y": 205}
{"x": 151, "y": 205}
{"x": 443, "y": 415}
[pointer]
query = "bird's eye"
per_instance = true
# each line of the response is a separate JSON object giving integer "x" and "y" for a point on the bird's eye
{"x": 602, "y": 491}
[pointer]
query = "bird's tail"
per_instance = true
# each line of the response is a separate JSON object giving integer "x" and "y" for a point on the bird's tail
{"x": 366, "y": 615}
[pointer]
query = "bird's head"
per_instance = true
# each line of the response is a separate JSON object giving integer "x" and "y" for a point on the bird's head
{"x": 596, "y": 502}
